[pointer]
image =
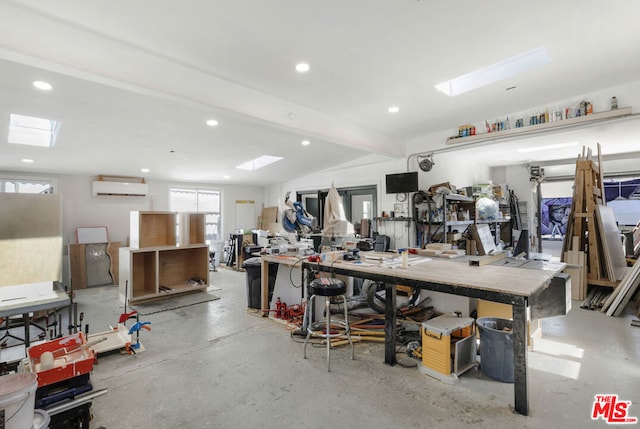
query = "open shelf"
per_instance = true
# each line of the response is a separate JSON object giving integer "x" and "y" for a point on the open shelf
{"x": 178, "y": 265}
{"x": 539, "y": 128}
{"x": 149, "y": 229}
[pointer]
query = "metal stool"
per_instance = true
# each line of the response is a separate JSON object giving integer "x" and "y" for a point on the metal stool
{"x": 327, "y": 288}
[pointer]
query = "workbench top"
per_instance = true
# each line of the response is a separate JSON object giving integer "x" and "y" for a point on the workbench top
{"x": 516, "y": 281}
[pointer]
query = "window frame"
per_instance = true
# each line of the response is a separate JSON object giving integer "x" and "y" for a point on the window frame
{"x": 197, "y": 190}
{"x": 5, "y": 178}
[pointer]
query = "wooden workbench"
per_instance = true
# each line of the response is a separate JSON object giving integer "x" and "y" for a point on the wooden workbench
{"x": 288, "y": 260}
{"x": 504, "y": 284}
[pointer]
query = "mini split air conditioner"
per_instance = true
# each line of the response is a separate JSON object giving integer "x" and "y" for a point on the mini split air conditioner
{"x": 119, "y": 189}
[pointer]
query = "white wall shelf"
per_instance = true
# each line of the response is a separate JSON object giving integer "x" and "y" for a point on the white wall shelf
{"x": 541, "y": 128}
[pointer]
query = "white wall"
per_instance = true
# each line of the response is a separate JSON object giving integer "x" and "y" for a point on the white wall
{"x": 81, "y": 209}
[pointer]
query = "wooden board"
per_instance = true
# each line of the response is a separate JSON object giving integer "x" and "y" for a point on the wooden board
{"x": 478, "y": 261}
{"x": 576, "y": 268}
{"x": 514, "y": 281}
{"x": 78, "y": 268}
{"x": 626, "y": 289}
{"x": 30, "y": 238}
{"x": 269, "y": 215}
{"x": 481, "y": 234}
{"x": 610, "y": 237}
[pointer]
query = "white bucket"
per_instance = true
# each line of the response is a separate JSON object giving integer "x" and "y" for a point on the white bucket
{"x": 17, "y": 400}
{"x": 41, "y": 419}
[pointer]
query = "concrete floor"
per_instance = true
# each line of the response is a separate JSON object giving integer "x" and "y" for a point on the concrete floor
{"x": 218, "y": 365}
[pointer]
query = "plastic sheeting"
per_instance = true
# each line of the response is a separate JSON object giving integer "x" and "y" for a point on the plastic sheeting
{"x": 335, "y": 221}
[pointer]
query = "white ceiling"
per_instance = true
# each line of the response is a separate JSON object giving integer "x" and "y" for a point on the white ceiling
{"x": 134, "y": 81}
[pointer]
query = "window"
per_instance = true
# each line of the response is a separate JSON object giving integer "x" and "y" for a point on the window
{"x": 206, "y": 201}
{"x": 26, "y": 186}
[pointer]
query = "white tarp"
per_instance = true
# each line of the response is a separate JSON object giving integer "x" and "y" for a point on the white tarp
{"x": 335, "y": 221}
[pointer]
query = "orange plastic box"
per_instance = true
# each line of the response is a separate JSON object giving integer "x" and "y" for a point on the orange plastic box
{"x": 71, "y": 359}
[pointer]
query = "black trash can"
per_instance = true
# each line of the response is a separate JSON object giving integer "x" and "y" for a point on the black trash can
{"x": 253, "y": 268}
{"x": 496, "y": 348}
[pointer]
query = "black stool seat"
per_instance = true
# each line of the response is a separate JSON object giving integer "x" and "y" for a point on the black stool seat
{"x": 327, "y": 287}
{"x": 330, "y": 289}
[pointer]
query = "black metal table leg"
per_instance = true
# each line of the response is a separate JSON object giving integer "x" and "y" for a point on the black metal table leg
{"x": 390, "y": 324}
{"x": 25, "y": 320}
{"x": 521, "y": 377}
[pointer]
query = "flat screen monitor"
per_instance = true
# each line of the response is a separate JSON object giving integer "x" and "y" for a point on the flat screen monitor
{"x": 401, "y": 183}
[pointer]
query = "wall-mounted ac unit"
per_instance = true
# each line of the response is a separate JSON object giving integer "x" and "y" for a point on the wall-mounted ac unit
{"x": 119, "y": 189}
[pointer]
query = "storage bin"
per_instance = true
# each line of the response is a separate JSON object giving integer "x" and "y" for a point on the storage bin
{"x": 496, "y": 348}
{"x": 448, "y": 344}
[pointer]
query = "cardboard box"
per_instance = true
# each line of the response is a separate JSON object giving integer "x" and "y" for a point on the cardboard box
{"x": 505, "y": 311}
{"x": 434, "y": 188}
{"x": 269, "y": 215}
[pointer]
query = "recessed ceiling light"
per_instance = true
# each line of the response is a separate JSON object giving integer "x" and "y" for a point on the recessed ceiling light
{"x": 145, "y": 170}
{"x": 517, "y": 64}
{"x": 394, "y": 109}
{"x": 44, "y": 86}
{"x": 302, "y": 67}
{"x": 259, "y": 162}
{"x": 305, "y": 142}
{"x": 27, "y": 160}
{"x": 225, "y": 177}
{"x": 212, "y": 122}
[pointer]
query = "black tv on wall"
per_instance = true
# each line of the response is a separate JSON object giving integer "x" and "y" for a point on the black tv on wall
{"x": 401, "y": 183}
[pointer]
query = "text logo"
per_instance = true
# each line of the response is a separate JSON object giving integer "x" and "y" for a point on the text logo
{"x": 612, "y": 410}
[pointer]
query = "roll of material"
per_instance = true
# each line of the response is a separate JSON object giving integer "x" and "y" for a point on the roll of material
{"x": 46, "y": 361}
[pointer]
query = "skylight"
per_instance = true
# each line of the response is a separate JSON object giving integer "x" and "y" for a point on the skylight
{"x": 504, "y": 69}
{"x": 260, "y": 162}
{"x": 32, "y": 131}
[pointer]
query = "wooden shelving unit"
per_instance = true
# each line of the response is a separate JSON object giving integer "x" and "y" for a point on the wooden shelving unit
{"x": 192, "y": 228}
{"x": 148, "y": 229}
{"x": 157, "y": 267}
{"x": 586, "y": 242}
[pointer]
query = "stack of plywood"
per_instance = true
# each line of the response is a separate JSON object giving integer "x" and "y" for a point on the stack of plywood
{"x": 621, "y": 296}
{"x": 576, "y": 261}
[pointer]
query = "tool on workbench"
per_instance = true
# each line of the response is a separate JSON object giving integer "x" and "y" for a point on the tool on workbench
{"x": 70, "y": 317}
{"x": 47, "y": 358}
{"x": 81, "y": 318}
{"x": 126, "y": 316}
{"x": 132, "y": 347}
